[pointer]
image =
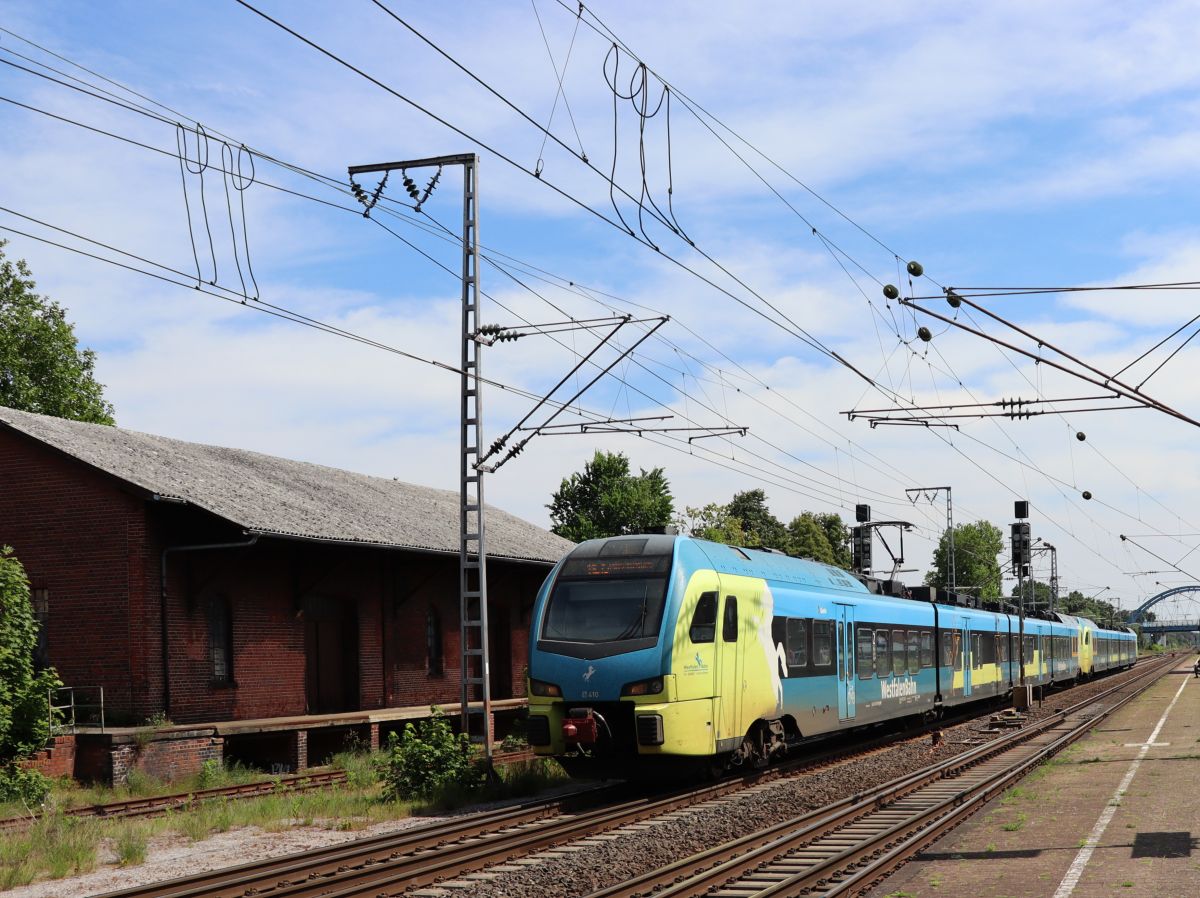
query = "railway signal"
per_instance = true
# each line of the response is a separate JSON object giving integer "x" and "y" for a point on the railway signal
{"x": 860, "y": 549}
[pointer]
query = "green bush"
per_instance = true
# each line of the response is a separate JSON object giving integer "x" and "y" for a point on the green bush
{"x": 24, "y": 727}
{"x": 428, "y": 758}
{"x": 27, "y": 787}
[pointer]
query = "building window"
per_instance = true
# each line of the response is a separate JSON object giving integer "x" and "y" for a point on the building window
{"x": 41, "y": 614}
{"x": 433, "y": 641}
{"x": 220, "y": 639}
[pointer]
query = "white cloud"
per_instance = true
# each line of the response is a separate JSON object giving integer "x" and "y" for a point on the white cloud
{"x": 908, "y": 118}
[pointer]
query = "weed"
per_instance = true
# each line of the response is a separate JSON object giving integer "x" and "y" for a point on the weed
{"x": 1016, "y": 824}
{"x": 1016, "y": 793}
{"x": 1127, "y": 885}
{"x": 150, "y": 728}
{"x": 131, "y": 846}
{"x": 362, "y": 769}
{"x": 430, "y": 758}
{"x": 990, "y": 847}
{"x": 141, "y": 784}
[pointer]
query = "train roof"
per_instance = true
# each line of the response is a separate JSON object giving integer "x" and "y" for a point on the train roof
{"x": 765, "y": 563}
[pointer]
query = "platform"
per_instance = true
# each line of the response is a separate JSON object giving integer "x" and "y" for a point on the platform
{"x": 1117, "y": 813}
{"x": 275, "y": 744}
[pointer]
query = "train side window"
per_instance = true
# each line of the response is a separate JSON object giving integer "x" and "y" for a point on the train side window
{"x": 797, "y": 646}
{"x": 899, "y": 643}
{"x": 844, "y": 666}
{"x": 956, "y": 640}
{"x": 883, "y": 654}
{"x": 729, "y": 624}
{"x": 704, "y": 619}
{"x": 914, "y": 651}
{"x": 865, "y": 653}
{"x": 926, "y": 649}
{"x": 822, "y": 648}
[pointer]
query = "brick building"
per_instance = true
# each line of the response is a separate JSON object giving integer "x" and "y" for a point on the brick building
{"x": 211, "y": 584}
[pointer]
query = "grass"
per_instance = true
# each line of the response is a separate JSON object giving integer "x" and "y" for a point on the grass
{"x": 58, "y": 845}
{"x": 67, "y": 793}
{"x": 130, "y": 846}
{"x": 55, "y": 846}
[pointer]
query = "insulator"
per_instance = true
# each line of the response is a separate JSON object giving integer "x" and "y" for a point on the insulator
{"x": 1081, "y": 436}
{"x": 409, "y": 183}
{"x": 916, "y": 269}
{"x": 924, "y": 333}
{"x": 890, "y": 291}
{"x": 954, "y": 299}
{"x": 497, "y": 446}
{"x": 1087, "y": 494}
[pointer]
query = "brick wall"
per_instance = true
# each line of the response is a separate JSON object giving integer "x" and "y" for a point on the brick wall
{"x": 166, "y": 756}
{"x": 56, "y": 759}
{"x": 71, "y": 527}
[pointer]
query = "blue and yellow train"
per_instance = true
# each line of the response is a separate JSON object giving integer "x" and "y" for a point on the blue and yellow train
{"x": 671, "y": 647}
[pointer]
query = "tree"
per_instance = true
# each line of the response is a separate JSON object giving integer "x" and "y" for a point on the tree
{"x": 761, "y": 527}
{"x": 975, "y": 549}
{"x": 1037, "y": 595}
{"x": 24, "y": 726}
{"x": 606, "y": 500}
{"x": 807, "y": 539}
{"x": 1094, "y": 609}
{"x": 838, "y": 535}
{"x": 713, "y": 522}
{"x": 42, "y": 368}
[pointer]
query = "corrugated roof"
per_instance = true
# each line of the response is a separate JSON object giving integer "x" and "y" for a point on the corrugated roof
{"x": 280, "y": 496}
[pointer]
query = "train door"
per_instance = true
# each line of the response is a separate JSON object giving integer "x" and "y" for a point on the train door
{"x": 969, "y": 650}
{"x": 845, "y": 661}
{"x": 729, "y": 674}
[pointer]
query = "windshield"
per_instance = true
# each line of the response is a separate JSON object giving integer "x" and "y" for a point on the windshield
{"x": 605, "y": 610}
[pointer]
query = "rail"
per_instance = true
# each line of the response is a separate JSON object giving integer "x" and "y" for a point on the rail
{"x": 847, "y": 846}
{"x": 64, "y": 718}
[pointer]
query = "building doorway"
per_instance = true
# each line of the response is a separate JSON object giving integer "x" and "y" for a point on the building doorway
{"x": 500, "y": 683}
{"x": 331, "y": 655}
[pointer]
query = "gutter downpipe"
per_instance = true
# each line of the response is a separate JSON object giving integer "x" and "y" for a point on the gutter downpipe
{"x": 162, "y": 609}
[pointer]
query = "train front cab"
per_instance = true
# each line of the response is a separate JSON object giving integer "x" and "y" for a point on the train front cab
{"x": 686, "y": 687}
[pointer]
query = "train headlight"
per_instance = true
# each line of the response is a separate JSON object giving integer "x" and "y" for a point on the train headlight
{"x": 653, "y": 686}
{"x": 548, "y": 690}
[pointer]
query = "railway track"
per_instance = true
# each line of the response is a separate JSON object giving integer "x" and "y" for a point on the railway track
{"x": 160, "y": 804}
{"x": 389, "y": 864}
{"x": 428, "y": 854}
{"x": 151, "y": 806}
{"x": 846, "y": 847}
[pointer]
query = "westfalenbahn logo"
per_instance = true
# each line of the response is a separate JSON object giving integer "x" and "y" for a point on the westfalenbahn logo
{"x": 898, "y": 688}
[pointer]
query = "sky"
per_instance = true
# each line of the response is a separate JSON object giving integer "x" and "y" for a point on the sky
{"x": 799, "y": 158}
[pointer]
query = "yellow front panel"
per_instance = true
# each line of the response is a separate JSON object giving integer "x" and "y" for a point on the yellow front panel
{"x": 687, "y": 728}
